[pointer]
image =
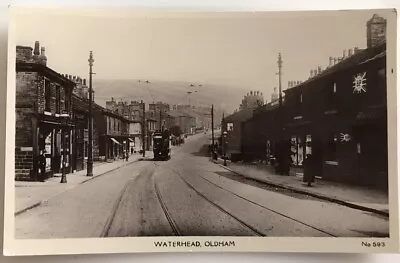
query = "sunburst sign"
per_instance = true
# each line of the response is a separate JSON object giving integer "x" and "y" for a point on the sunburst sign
{"x": 360, "y": 83}
{"x": 344, "y": 137}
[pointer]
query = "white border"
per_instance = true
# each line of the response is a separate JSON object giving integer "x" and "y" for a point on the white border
{"x": 145, "y": 244}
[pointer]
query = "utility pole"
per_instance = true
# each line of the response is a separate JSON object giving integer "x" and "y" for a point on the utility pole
{"x": 143, "y": 127}
{"x": 160, "y": 118}
{"x": 280, "y": 79}
{"x": 212, "y": 125}
{"x": 90, "y": 149}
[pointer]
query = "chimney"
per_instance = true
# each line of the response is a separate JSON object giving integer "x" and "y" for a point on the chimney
{"x": 84, "y": 82}
{"x": 319, "y": 70}
{"x": 356, "y": 50}
{"x": 311, "y": 73}
{"x": 112, "y": 98}
{"x": 315, "y": 72}
{"x": 289, "y": 84}
{"x": 330, "y": 61}
{"x": 344, "y": 54}
{"x": 42, "y": 57}
{"x": 350, "y": 52}
{"x": 36, "y": 51}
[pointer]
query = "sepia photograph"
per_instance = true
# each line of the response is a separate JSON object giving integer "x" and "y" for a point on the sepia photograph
{"x": 225, "y": 124}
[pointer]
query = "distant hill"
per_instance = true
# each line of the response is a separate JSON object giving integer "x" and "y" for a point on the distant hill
{"x": 224, "y": 98}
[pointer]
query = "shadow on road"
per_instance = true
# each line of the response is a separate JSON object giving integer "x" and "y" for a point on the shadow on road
{"x": 203, "y": 151}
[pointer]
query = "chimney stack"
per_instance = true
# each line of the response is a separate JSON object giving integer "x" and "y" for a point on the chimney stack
{"x": 311, "y": 73}
{"x": 335, "y": 61}
{"x": 350, "y": 52}
{"x": 344, "y": 54}
{"x": 319, "y": 70}
{"x": 356, "y": 50}
{"x": 315, "y": 72}
{"x": 84, "y": 82}
{"x": 36, "y": 51}
{"x": 330, "y": 61}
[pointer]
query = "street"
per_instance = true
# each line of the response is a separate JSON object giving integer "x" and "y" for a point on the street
{"x": 189, "y": 195}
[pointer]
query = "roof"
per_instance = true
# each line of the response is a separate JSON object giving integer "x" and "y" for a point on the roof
{"x": 36, "y": 67}
{"x": 362, "y": 57}
{"x": 239, "y": 116}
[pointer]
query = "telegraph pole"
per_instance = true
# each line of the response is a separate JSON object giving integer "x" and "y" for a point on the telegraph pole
{"x": 212, "y": 125}
{"x": 143, "y": 127}
{"x": 90, "y": 149}
{"x": 280, "y": 79}
{"x": 160, "y": 118}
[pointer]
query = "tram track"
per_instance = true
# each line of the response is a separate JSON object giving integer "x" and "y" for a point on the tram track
{"x": 245, "y": 199}
{"x": 220, "y": 208}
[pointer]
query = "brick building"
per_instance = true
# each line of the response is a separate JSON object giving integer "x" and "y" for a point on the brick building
{"x": 338, "y": 116}
{"x": 113, "y": 133}
{"x": 43, "y": 116}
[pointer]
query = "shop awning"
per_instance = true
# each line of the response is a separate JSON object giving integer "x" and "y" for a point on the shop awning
{"x": 131, "y": 140}
{"x": 115, "y": 141}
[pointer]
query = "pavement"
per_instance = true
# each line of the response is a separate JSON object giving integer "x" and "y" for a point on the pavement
{"x": 357, "y": 197}
{"x": 32, "y": 194}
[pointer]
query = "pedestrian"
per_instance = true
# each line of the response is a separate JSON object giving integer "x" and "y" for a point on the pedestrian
{"x": 127, "y": 156}
{"x": 308, "y": 175}
{"x": 42, "y": 166}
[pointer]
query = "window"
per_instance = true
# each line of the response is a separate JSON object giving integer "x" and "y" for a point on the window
{"x": 114, "y": 123}
{"x": 331, "y": 147}
{"x": 109, "y": 123}
{"x": 58, "y": 99}
{"x": 334, "y": 87}
{"x": 118, "y": 125}
{"x": 47, "y": 95}
{"x": 66, "y": 100}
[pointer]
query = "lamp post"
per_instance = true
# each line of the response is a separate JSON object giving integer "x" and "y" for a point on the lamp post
{"x": 90, "y": 148}
{"x": 64, "y": 117}
{"x": 224, "y": 135}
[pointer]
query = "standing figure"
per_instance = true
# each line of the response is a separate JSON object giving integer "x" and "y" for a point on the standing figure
{"x": 42, "y": 166}
{"x": 309, "y": 173}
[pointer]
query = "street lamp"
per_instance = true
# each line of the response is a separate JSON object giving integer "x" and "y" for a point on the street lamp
{"x": 224, "y": 135}
{"x": 90, "y": 148}
{"x": 65, "y": 118}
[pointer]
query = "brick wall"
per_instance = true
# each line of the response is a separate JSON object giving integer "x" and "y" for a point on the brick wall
{"x": 23, "y": 163}
{"x": 26, "y": 88}
{"x": 40, "y": 94}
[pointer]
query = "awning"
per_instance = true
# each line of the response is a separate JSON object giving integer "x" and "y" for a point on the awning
{"x": 131, "y": 140}
{"x": 115, "y": 141}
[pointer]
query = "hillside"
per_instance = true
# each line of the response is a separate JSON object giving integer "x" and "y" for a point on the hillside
{"x": 224, "y": 98}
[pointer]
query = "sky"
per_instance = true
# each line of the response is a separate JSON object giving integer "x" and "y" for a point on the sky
{"x": 230, "y": 49}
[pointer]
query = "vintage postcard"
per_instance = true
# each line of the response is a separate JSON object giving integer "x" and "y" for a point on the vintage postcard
{"x": 163, "y": 131}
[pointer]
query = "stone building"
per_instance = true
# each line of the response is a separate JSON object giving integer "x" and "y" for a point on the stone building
{"x": 43, "y": 116}
{"x": 338, "y": 115}
{"x": 113, "y": 133}
{"x": 252, "y": 100}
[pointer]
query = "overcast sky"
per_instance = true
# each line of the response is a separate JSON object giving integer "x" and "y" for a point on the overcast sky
{"x": 228, "y": 49}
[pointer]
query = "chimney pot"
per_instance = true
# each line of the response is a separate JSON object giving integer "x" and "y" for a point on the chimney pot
{"x": 36, "y": 51}
{"x": 311, "y": 73}
{"x": 330, "y": 61}
{"x": 350, "y": 52}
